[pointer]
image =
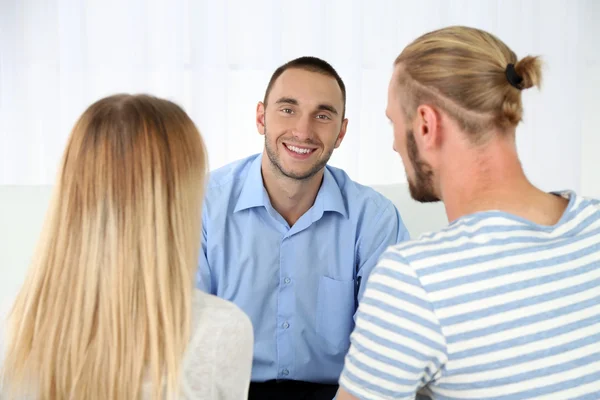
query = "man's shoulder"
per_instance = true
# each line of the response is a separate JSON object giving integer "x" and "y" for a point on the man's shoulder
{"x": 360, "y": 197}
{"x": 586, "y": 201}
{"x": 230, "y": 174}
{"x": 474, "y": 231}
{"x": 429, "y": 243}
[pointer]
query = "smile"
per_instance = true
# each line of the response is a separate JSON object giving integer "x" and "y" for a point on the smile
{"x": 299, "y": 150}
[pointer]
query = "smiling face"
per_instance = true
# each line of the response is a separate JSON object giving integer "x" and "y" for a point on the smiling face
{"x": 302, "y": 121}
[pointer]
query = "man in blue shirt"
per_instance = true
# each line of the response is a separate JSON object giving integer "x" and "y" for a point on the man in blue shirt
{"x": 291, "y": 240}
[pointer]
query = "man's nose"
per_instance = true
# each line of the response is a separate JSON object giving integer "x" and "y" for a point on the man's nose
{"x": 303, "y": 130}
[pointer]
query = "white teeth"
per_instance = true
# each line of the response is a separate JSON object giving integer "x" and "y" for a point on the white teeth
{"x": 298, "y": 149}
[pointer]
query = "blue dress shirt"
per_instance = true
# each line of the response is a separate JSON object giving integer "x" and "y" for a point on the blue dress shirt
{"x": 299, "y": 285}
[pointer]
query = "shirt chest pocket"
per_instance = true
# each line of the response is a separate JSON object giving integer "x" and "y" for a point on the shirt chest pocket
{"x": 335, "y": 312}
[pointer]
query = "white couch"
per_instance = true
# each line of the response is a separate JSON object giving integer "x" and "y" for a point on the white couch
{"x": 22, "y": 210}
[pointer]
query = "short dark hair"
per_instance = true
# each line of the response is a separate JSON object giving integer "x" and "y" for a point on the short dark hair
{"x": 312, "y": 64}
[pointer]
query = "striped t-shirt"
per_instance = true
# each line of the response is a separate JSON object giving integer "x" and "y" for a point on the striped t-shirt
{"x": 492, "y": 307}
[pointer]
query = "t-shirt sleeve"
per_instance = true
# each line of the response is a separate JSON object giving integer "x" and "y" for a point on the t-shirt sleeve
{"x": 385, "y": 230}
{"x": 397, "y": 347}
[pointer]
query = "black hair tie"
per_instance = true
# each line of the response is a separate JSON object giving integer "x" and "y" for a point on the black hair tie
{"x": 513, "y": 78}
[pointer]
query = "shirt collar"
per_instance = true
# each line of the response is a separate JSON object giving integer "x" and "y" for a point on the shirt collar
{"x": 330, "y": 196}
{"x": 254, "y": 194}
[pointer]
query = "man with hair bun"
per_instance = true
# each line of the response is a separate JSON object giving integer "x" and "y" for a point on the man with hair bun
{"x": 504, "y": 302}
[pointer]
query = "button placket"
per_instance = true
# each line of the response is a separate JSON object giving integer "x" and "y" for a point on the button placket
{"x": 285, "y": 311}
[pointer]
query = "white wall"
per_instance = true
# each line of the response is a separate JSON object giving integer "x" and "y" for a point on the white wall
{"x": 214, "y": 58}
{"x": 21, "y": 215}
{"x": 590, "y": 101}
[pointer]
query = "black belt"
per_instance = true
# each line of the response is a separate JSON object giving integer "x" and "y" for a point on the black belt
{"x": 291, "y": 390}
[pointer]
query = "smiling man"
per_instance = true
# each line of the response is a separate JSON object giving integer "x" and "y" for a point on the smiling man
{"x": 292, "y": 240}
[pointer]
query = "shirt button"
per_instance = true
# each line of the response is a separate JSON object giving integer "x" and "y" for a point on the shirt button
{"x": 285, "y": 372}
{"x": 287, "y": 281}
{"x": 286, "y": 325}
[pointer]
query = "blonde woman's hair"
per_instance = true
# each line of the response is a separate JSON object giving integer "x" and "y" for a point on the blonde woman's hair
{"x": 463, "y": 71}
{"x": 107, "y": 302}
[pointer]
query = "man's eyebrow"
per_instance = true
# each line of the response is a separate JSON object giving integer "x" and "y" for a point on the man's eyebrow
{"x": 320, "y": 107}
{"x": 327, "y": 107}
{"x": 287, "y": 100}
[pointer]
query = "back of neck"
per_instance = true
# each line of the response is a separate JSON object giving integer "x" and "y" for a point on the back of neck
{"x": 497, "y": 182}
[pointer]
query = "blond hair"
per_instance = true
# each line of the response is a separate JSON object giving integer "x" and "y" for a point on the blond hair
{"x": 107, "y": 302}
{"x": 463, "y": 71}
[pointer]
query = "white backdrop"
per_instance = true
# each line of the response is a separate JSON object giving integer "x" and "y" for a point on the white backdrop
{"x": 215, "y": 57}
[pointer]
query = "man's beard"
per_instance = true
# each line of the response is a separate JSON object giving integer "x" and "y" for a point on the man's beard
{"x": 276, "y": 162}
{"x": 421, "y": 189}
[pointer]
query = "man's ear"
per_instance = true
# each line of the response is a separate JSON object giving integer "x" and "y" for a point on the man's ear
{"x": 342, "y": 133}
{"x": 260, "y": 117}
{"x": 427, "y": 130}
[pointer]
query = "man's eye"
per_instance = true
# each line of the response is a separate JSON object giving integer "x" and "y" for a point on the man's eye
{"x": 287, "y": 110}
{"x": 323, "y": 116}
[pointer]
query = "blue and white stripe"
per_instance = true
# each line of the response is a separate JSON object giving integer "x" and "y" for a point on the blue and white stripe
{"x": 492, "y": 307}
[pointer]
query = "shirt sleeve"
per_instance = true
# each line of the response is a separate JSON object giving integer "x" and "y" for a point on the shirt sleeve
{"x": 203, "y": 275}
{"x": 386, "y": 229}
{"x": 397, "y": 347}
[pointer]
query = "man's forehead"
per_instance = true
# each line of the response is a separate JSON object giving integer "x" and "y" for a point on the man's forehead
{"x": 306, "y": 86}
{"x": 394, "y": 87}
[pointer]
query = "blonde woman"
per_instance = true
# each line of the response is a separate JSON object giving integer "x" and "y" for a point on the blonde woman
{"x": 109, "y": 310}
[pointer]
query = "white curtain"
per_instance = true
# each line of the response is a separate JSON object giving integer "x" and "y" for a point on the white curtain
{"x": 215, "y": 58}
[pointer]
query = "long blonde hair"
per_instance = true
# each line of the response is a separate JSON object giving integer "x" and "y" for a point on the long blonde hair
{"x": 107, "y": 302}
{"x": 463, "y": 71}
